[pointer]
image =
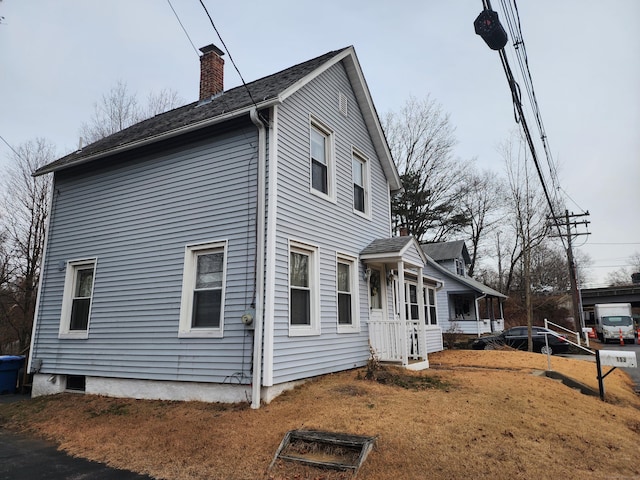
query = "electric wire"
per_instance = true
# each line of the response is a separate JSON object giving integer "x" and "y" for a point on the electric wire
{"x": 516, "y": 100}
{"x": 10, "y": 147}
{"x": 183, "y": 29}
{"x": 228, "y": 53}
{"x": 512, "y": 20}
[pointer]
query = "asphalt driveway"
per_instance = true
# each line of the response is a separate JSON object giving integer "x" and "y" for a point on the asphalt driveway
{"x": 26, "y": 458}
{"x": 30, "y": 459}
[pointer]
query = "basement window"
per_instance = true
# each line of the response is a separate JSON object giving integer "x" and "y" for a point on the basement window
{"x": 76, "y": 383}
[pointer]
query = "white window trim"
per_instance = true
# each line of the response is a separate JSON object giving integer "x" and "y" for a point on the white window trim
{"x": 367, "y": 184}
{"x": 191, "y": 252}
{"x": 314, "y": 282}
{"x": 355, "y": 298}
{"x": 428, "y": 306}
{"x": 316, "y": 124}
{"x": 67, "y": 298}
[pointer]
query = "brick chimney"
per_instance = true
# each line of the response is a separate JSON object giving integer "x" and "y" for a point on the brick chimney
{"x": 211, "y": 71}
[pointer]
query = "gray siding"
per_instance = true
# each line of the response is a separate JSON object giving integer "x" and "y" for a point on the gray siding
{"x": 136, "y": 217}
{"x": 333, "y": 227}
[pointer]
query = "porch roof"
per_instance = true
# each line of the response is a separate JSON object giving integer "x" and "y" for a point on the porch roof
{"x": 399, "y": 249}
{"x": 469, "y": 282}
{"x": 395, "y": 249}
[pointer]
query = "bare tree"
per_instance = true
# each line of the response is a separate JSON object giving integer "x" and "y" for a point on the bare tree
{"x": 421, "y": 139}
{"x": 482, "y": 204}
{"x": 622, "y": 276}
{"x": 26, "y": 205}
{"x": 528, "y": 212}
{"x": 120, "y": 109}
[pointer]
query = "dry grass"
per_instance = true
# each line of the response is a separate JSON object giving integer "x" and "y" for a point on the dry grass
{"x": 479, "y": 415}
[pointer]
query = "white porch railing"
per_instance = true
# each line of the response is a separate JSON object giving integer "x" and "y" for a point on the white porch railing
{"x": 386, "y": 337}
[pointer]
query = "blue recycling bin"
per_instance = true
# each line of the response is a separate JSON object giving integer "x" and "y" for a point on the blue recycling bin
{"x": 10, "y": 365}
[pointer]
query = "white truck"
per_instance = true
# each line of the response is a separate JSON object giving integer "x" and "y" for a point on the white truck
{"x": 613, "y": 320}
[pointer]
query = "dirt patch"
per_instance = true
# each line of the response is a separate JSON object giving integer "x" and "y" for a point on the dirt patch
{"x": 494, "y": 420}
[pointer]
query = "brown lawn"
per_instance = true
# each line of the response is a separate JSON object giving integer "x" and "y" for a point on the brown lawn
{"x": 472, "y": 415}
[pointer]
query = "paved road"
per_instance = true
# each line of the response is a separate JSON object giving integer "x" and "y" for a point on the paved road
{"x": 634, "y": 373}
{"x": 24, "y": 458}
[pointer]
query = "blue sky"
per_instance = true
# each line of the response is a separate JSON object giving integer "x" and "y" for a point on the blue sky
{"x": 58, "y": 57}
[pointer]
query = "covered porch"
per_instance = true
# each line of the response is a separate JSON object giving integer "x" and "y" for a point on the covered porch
{"x": 402, "y": 321}
{"x": 476, "y": 312}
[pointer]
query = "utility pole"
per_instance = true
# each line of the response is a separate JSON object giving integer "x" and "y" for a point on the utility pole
{"x": 573, "y": 278}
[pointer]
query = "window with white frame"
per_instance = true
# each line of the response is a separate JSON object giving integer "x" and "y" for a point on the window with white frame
{"x": 321, "y": 153}
{"x": 203, "y": 288}
{"x": 360, "y": 181}
{"x": 460, "y": 269}
{"x": 303, "y": 289}
{"x": 347, "y": 292}
{"x": 430, "y": 314}
{"x": 77, "y": 298}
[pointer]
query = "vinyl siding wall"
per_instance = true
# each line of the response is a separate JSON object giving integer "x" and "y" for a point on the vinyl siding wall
{"x": 136, "y": 217}
{"x": 332, "y": 227}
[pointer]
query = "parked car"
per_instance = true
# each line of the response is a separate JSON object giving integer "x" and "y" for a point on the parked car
{"x": 517, "y": 337}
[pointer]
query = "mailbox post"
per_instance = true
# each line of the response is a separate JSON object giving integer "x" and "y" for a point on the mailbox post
{"x": 613, "y": 358}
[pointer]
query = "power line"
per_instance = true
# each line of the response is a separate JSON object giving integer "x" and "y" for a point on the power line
{"x": 8, "y": 145}
{"x": 228, "y": 53}
{"x": 615, "y": 243}
{"x": 183, "y": 29}
{"x": 512, "y": 17}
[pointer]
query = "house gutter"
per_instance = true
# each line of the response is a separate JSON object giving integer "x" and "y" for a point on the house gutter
{"x": 260, "y": 245}
{"x": 155, "y": 138}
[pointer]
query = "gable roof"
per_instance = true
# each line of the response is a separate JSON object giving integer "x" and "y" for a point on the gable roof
{"x": 267, "y": 91}
{"x": 469, "y": 282}
{"x": 447, "y": 251}
{"x": 392, "y": 248}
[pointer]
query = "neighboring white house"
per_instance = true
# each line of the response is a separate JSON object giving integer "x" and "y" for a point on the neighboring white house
{"x": 464, "y": 304}
{"x": 230, "y": 248}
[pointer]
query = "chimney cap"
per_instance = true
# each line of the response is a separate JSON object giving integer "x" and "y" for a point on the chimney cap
{"x": 211, "y": 48}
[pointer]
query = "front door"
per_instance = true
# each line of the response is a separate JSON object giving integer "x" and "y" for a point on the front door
{"x": 376, "y": 304}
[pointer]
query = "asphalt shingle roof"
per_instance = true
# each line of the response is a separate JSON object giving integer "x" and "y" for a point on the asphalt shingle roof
{"x": 447, "y": 250}
{"x": 236, "y": 99}
{"x": 386, "y": 245}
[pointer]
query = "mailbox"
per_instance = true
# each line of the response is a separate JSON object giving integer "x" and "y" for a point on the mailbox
{"x": 618, "y": 358}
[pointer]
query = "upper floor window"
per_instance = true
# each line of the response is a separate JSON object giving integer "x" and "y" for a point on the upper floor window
{"x": 322, "y": 163}
{"x": 77, "y": 298}
{"x": 203, "y": 282}
{"x": 360, "y": 182}
{"x": 460, "y": 270}
{"x": 304, "y": 315}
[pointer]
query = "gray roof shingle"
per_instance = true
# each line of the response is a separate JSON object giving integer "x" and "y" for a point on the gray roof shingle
{"x": 447, "y": 250}
{"x": 235, "y": 99}
{"x": 386, "y": 245}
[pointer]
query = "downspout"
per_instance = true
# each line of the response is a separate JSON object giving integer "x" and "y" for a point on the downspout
{"x": 260, "y": 223}
{"x": 35, "y": 329}
{"x": 478, "y": 312}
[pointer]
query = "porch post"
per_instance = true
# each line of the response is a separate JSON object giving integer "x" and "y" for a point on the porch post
{"x": 422, "y": 342}
{"x": 403, "y": 314}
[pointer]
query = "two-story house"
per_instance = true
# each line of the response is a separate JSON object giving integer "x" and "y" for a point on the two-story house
{"x": 464, "y": 304}
{"x": 231, "y": 248}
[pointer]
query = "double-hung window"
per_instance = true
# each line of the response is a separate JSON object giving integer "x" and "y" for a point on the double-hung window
{"x": 430, "y": 315}
{"x": 360, "y": 190}
{"x": 322, "y": 164}
{"x": 304, "y": 315}
{"x": 77, "y": 298}
{"x": 203, "y": 286}
{"x": 347, "y": 293}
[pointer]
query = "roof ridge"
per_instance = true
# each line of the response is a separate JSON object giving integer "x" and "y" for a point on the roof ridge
{"x": 234, "y": 99}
